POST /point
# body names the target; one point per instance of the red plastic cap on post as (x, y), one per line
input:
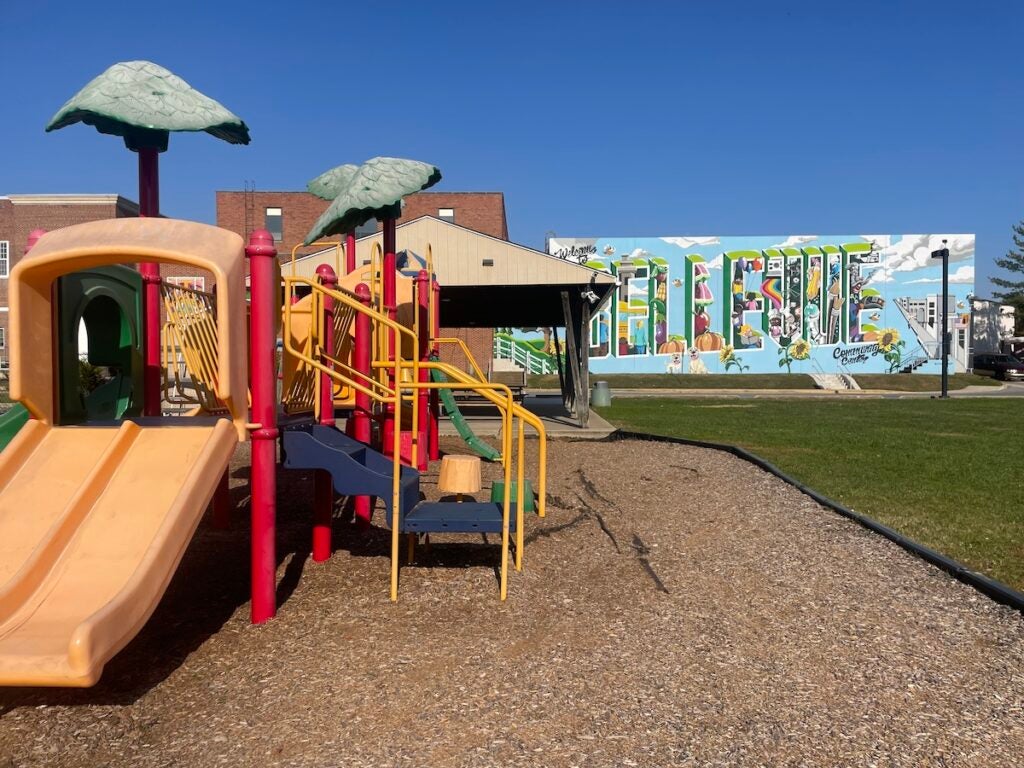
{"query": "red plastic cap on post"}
(261, 243)
(33, 238)
(363, 292)
(326, 274)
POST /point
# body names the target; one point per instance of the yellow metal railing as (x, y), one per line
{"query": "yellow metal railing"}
(389, 394)
(337, 254)
(522, 413)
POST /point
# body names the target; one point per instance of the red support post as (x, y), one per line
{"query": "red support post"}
(33, 238)
(149, 206)
(423, 289)
(263, 308)
(221, 518)
(350, 252)
(390, 298)
(435, 398)
(323, 501)
(361, 421)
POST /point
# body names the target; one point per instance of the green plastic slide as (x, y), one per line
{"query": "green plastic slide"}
(452, 411)
(11, 422)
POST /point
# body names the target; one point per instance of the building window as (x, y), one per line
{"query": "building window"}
(446, 214)
(3, 338)
(5, 249)
(274, 222)
(188, 282)
(367, 228)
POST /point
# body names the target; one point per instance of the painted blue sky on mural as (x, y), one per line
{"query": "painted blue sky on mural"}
(762, 304)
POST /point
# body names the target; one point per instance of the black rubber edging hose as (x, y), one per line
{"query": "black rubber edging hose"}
(989, 587)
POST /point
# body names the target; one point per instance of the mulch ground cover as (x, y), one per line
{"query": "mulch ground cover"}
(677, 607)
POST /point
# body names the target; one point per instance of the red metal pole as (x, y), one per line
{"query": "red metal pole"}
(221, 517)
(33, 238)
(323, 501)
(423, 289)
(149, 206)
(390, 289)
(361, 427)
(350, 252)
(435, 399)
(261, 253)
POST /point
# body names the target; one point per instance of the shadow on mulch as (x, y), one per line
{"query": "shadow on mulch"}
(212, 583)
(209, 586)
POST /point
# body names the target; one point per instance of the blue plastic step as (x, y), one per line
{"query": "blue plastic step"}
(456, 517)
(355, 468)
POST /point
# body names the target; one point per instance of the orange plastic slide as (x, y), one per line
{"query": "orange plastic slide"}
(93, 523)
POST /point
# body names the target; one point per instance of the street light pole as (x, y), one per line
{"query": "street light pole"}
(943, 253)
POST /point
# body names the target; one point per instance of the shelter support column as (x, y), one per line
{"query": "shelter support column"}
(263, 555)
(580, 406)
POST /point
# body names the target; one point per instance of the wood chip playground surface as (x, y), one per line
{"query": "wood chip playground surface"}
(678, 607)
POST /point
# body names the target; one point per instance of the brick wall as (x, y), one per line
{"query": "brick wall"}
(481, 211)
(20, 214)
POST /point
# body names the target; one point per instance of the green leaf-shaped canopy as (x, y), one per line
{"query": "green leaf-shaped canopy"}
(142, 102)
(330, 184)
(374, 192)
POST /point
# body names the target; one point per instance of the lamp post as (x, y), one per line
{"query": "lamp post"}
(943, 253)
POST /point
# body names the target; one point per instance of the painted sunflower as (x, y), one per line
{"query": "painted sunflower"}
(800, 350)
(726, 354)
(887, 337)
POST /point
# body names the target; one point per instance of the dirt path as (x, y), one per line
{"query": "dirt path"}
(678, 607)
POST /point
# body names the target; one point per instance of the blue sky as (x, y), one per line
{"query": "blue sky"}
(613, 119)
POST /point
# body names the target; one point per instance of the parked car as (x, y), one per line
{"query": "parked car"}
(999, 366)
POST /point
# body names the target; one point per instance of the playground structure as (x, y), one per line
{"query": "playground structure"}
(87, 560)
(101, 490)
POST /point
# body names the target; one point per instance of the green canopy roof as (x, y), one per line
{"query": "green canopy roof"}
(330, 183)
(142, 102)
(374, 192)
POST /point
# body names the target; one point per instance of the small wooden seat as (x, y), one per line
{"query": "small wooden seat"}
(459, 475)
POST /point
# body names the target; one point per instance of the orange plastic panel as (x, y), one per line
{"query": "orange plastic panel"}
(93, 523)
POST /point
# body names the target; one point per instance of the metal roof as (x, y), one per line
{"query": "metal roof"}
(485, 281)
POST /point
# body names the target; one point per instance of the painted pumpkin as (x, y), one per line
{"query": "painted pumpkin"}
(672, 347)
(709, 342)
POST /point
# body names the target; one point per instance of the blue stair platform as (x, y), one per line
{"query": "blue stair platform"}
(358, 470)
(456, 517)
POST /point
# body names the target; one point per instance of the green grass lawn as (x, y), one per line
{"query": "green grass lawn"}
(894, 382)
(947, 473)
(921, 382)
(687, 381)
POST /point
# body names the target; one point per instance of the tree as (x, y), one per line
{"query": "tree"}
(1013, 290)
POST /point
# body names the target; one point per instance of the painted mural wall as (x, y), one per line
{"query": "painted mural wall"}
(769, 304)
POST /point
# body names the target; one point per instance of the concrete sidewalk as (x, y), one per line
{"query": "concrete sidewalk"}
(485, 421)
(1008, 389)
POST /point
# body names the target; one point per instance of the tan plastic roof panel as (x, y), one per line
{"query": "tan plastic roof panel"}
(119, 241)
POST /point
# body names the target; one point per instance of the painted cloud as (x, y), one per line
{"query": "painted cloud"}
(964, 274)
(915, 251)
(795, 241)
(691, 242)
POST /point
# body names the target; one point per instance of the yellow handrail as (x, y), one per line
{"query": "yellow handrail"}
(337, 254)
(465, 351)
(393, 395)
(517, 410)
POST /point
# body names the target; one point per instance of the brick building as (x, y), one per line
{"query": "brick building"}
(20, 214)
(290, 215)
